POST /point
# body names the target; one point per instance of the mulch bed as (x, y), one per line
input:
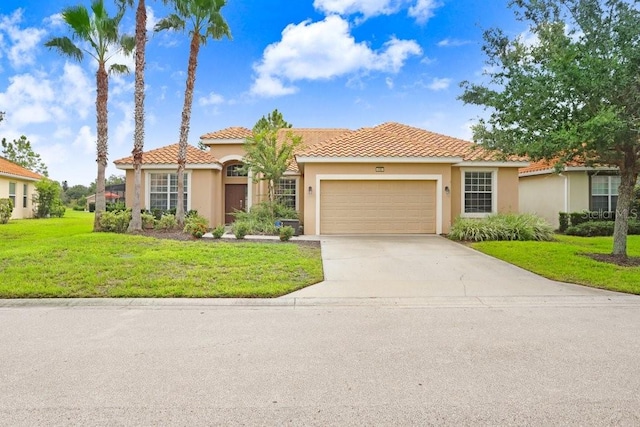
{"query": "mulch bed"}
(616, 259)
(179, 235)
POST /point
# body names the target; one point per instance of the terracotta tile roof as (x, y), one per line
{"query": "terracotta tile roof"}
(228, 133)
(310, 137)
(168, 155)
(10, 168)
(397, 140)
(547, 166)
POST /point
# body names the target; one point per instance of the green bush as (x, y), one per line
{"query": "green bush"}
(196, 225)
(286, 233)
(600, 228)
(47, 201)
(218, 232)
(564, 221)
(6, 208)
(167, 222)
(78, 208)
(148, 220)
(115, 207)
(115, 222)
(262, 217)
(240, 229)
(502, 227)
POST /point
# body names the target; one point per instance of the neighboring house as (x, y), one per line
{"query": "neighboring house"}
(388, 179)
(576, 188)
(18, 184)
(109, 196)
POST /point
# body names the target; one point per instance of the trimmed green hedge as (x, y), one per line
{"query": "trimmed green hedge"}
(600, 228)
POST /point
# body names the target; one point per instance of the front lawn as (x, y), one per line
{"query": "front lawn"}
(62, 257)
(563, 261)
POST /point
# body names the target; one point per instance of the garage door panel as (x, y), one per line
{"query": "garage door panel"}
(377, 207)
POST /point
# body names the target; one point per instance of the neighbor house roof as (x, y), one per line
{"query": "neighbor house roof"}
(542, 167)
(229, 133)
(398, 140)
(10, 169)
(168, 155)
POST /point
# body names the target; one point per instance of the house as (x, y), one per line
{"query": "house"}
(109, 196)
(546, 191)
(18, 184)
(387, 179)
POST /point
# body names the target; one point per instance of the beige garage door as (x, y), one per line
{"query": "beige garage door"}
(377, 207)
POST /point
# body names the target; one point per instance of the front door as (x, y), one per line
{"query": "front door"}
(235, 198)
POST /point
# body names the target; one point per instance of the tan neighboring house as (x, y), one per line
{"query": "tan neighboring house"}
(18, 184)
(575, 188)
(388, 179)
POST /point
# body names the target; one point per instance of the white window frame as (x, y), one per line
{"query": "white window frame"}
(612, 190)
(25, 191)
(494, 192)
(147, 191)
(12, 196)
(296, 190)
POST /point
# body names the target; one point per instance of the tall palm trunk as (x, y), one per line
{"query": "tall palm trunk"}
(138, 133)
(184, 125)
(102, 95)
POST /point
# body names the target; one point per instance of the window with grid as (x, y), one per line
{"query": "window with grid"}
(25, 188)
(163, 191)
(236, 170)
(604, 192)
(285, 191)
(12, 192)
(478, 192)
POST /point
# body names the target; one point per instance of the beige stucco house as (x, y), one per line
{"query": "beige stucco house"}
(388, 179)
(546, 191)
(18, 184)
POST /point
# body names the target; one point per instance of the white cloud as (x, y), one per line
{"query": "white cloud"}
(453, 42)
(151, 19)
(22, 44)
(29, 96)
(423, 10)
(85, 140)
(211, 99)
(439, 84)
(323, 50)
(389, 82)
(78, 90)
(54, 21)
(123, 133)
(366, 8)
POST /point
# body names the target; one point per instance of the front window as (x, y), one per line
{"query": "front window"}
(236, 170)
(163, 191)
(604, 192)
(478, 192)
(25, 187)
(285, 191)
(12, 192)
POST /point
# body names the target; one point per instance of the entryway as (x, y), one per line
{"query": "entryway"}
(235, 199)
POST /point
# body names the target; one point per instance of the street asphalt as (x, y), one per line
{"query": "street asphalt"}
(476, 357)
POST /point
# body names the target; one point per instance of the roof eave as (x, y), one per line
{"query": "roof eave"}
(327, 159)
(22, 177)
(217, 141)
(492, 164)
(189, 166)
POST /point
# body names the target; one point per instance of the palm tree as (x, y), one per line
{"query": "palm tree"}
(138, 133)
(98, 36)
(206, 22)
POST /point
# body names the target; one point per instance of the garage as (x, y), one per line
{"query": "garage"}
(377, 207)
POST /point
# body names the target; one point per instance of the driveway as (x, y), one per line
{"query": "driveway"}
(423, 266)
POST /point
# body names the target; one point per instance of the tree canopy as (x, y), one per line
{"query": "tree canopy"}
(569, 90)
(268, 152)
(21, 153)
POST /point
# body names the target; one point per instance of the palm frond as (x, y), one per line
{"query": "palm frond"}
(128, 44)
(78, 19)
(171, 22)
(119, 69)
(65, 46)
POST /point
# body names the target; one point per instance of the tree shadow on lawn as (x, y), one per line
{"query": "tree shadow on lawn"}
(615, 259)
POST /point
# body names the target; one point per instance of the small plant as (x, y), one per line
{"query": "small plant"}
(196, 225)
(115, 222)
(218, 232)
(286, 233)
(167, 222)
(148, 220)
(6, 208)
(240, 229)
(502, 227)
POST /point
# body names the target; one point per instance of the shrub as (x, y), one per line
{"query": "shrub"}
(148, 220)
(600, 228)
(502, 227)
(196, 225)
(78, 207)
(261, 218)
(167, 222)
(6, 208)
(240, 229)
(115, 207)
(218, 232)
(47, 201)
(115, 222)
(286, 233)
(564, 221)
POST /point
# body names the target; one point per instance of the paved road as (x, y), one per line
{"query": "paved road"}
(472, 361)
(422, 266)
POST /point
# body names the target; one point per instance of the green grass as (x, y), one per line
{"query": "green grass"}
(62, 257)
(562, 261)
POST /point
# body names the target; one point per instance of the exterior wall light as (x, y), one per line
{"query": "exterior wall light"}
(310, 190)
(447, 190)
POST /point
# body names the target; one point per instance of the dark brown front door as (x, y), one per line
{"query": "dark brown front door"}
(235, 196)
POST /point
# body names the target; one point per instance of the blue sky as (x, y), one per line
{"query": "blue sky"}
(322, 63)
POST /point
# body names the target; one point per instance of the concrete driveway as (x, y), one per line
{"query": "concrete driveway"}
(423, 266)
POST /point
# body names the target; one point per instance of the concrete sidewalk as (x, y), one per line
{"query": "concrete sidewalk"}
(423, 266)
